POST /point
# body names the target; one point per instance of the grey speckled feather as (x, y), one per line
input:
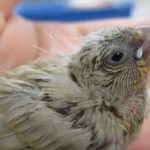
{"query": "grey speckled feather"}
(95, 102)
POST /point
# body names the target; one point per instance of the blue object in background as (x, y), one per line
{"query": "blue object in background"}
(61, 11)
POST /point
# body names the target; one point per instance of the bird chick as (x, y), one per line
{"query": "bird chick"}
(96, 101)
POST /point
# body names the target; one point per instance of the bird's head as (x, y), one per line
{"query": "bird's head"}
(111, 61)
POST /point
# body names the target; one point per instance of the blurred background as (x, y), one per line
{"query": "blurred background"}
(82, 10)
(141, 9)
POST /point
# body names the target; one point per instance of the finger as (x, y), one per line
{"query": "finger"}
(142, 142)
(61, 37)
(6, 6)
(16, 43)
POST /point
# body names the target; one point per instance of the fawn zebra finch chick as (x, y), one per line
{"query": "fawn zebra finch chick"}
(96, 101)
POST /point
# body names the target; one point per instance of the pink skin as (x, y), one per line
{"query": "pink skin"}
(18, 36)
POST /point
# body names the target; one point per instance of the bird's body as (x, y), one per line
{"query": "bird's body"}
(92, 103)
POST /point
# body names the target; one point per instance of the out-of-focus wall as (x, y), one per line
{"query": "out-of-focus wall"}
(141, 9)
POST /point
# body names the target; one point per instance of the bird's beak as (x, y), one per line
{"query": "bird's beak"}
(145, 30)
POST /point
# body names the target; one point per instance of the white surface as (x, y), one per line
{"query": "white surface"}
(141, 9)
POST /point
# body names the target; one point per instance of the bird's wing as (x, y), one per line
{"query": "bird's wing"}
(28, 123)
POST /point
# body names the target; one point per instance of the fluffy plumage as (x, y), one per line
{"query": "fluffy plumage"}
(95, 102)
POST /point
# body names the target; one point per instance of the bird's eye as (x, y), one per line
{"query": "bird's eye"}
(117, 56)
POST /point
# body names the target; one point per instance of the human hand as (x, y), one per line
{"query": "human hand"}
(142, 142)
(17, 37)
